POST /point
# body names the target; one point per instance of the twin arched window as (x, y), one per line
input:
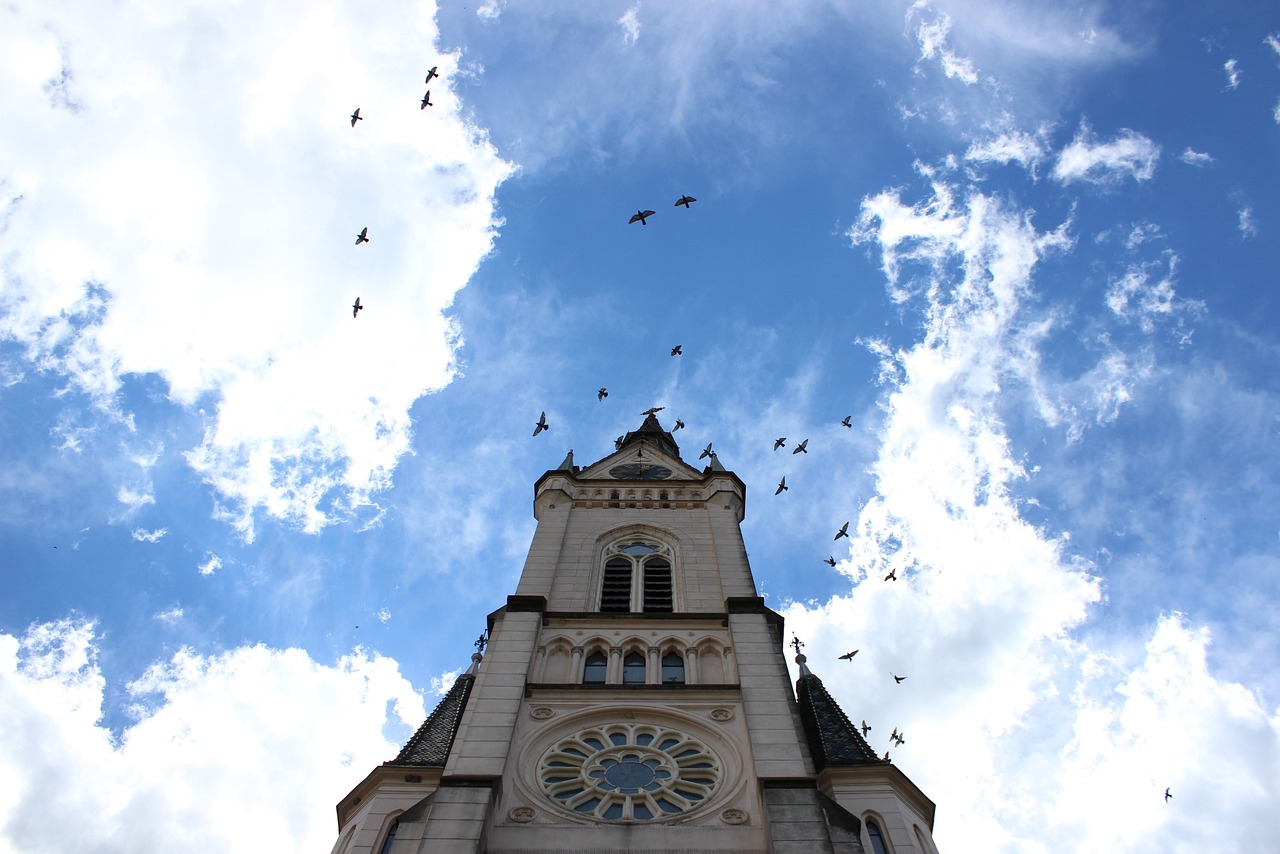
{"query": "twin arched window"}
(637, 577)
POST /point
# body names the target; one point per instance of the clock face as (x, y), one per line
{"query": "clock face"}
(639, 471)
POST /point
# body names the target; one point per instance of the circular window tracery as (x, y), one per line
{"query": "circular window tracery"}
(629, 772)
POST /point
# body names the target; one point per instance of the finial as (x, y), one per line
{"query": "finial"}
(652, 410)
(801, 658)
(482, 642)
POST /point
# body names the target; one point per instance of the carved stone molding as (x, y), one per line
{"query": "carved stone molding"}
(721, 715)
(541, 713)
(523, 815)
(734, 816)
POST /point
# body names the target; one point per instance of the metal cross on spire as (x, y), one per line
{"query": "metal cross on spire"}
(482, 642)
(797, 644)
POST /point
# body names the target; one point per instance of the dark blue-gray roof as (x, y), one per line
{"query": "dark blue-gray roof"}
(431, 744)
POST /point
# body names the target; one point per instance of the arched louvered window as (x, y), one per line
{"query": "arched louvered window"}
(657, 585)
(638, 577)
(633, 669)
(615, 594)
(595, 668)
(672, 668)
(877, 841)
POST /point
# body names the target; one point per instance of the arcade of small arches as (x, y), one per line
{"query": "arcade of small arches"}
(704, 661)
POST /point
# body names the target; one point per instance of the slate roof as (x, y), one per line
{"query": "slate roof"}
(833, 739)
(430, 745)
(652, 432)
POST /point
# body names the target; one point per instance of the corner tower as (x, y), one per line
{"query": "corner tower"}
(635, 697)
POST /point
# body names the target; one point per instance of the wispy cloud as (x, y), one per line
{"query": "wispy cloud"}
(145, 536)
(1013, 147)
(213, 185)
(1085, 159)
(932, 32)
(211, 564)
(1273, 42)
(1191, 157)
(1245, 223)
(1232, 70)
(383, 615)
(170, 615)
(1145, 294)
(134, 499)
(630, 24)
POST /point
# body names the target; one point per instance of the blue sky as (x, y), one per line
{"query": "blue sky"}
(1027, 247)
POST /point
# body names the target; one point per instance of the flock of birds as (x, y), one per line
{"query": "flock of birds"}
(363, 236)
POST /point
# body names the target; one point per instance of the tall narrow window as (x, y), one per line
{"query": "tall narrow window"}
(595, 668)
(657, 585)
(633, 669)
(391, 837)
(672, 668)
(877, 841)
(616, 592)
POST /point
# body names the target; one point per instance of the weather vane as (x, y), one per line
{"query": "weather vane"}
(482, 642)
(797, 644)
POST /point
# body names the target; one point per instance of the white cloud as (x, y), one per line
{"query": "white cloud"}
(217, 735)
(441, 684)
(134, 499)
(170, 616)
(630, 24)
(383, 615)
(1130, 154)
(933, 34)
(1195, 158)
(1145, 294)
(1014, 147)
(1275, 112)
(1244, 221)
(490, 9)
(211, 564)
(194, 216)
(1272, 42)
(1232, 69)
(144, 536)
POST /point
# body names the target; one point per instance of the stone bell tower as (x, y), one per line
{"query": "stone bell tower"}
(634, 697)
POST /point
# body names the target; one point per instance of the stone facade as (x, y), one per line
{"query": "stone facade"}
(634, 697)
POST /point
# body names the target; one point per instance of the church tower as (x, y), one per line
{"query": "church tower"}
(634, 697)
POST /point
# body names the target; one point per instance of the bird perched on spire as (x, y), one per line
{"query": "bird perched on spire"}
(802, 448)
(356, 117)
(782, 486)
(706, 452)
(641, 216)
(843, 532)
(355, 308)
(617, 443)
(426, 101)
(363, 236)
(686, 201)
(602, 393)
(541, 425)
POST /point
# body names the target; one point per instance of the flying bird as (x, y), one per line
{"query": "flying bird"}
(848, 656)
(426, 101)
(706, 452)
(843, 532)
(897, 679)
(802, 448)
(847, 421)
(830, 560)
(355, 308)
(893, 575)
(782, 486)
(602, 393)
(355, 117)
(686, 201)
(893, 736)
(679, 424)
(899, 739)
(363, 236)
(652, 410)
(1167, 796)
(541, 425)
(865, 728)
(677, 350)
(641, 217)
(431, 74)
(779, 442)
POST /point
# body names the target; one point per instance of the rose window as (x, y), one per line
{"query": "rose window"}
(629, 772)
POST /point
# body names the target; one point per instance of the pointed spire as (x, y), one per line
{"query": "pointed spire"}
(651, 431)
(567, 463)
(833, 739)
(431, 744)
